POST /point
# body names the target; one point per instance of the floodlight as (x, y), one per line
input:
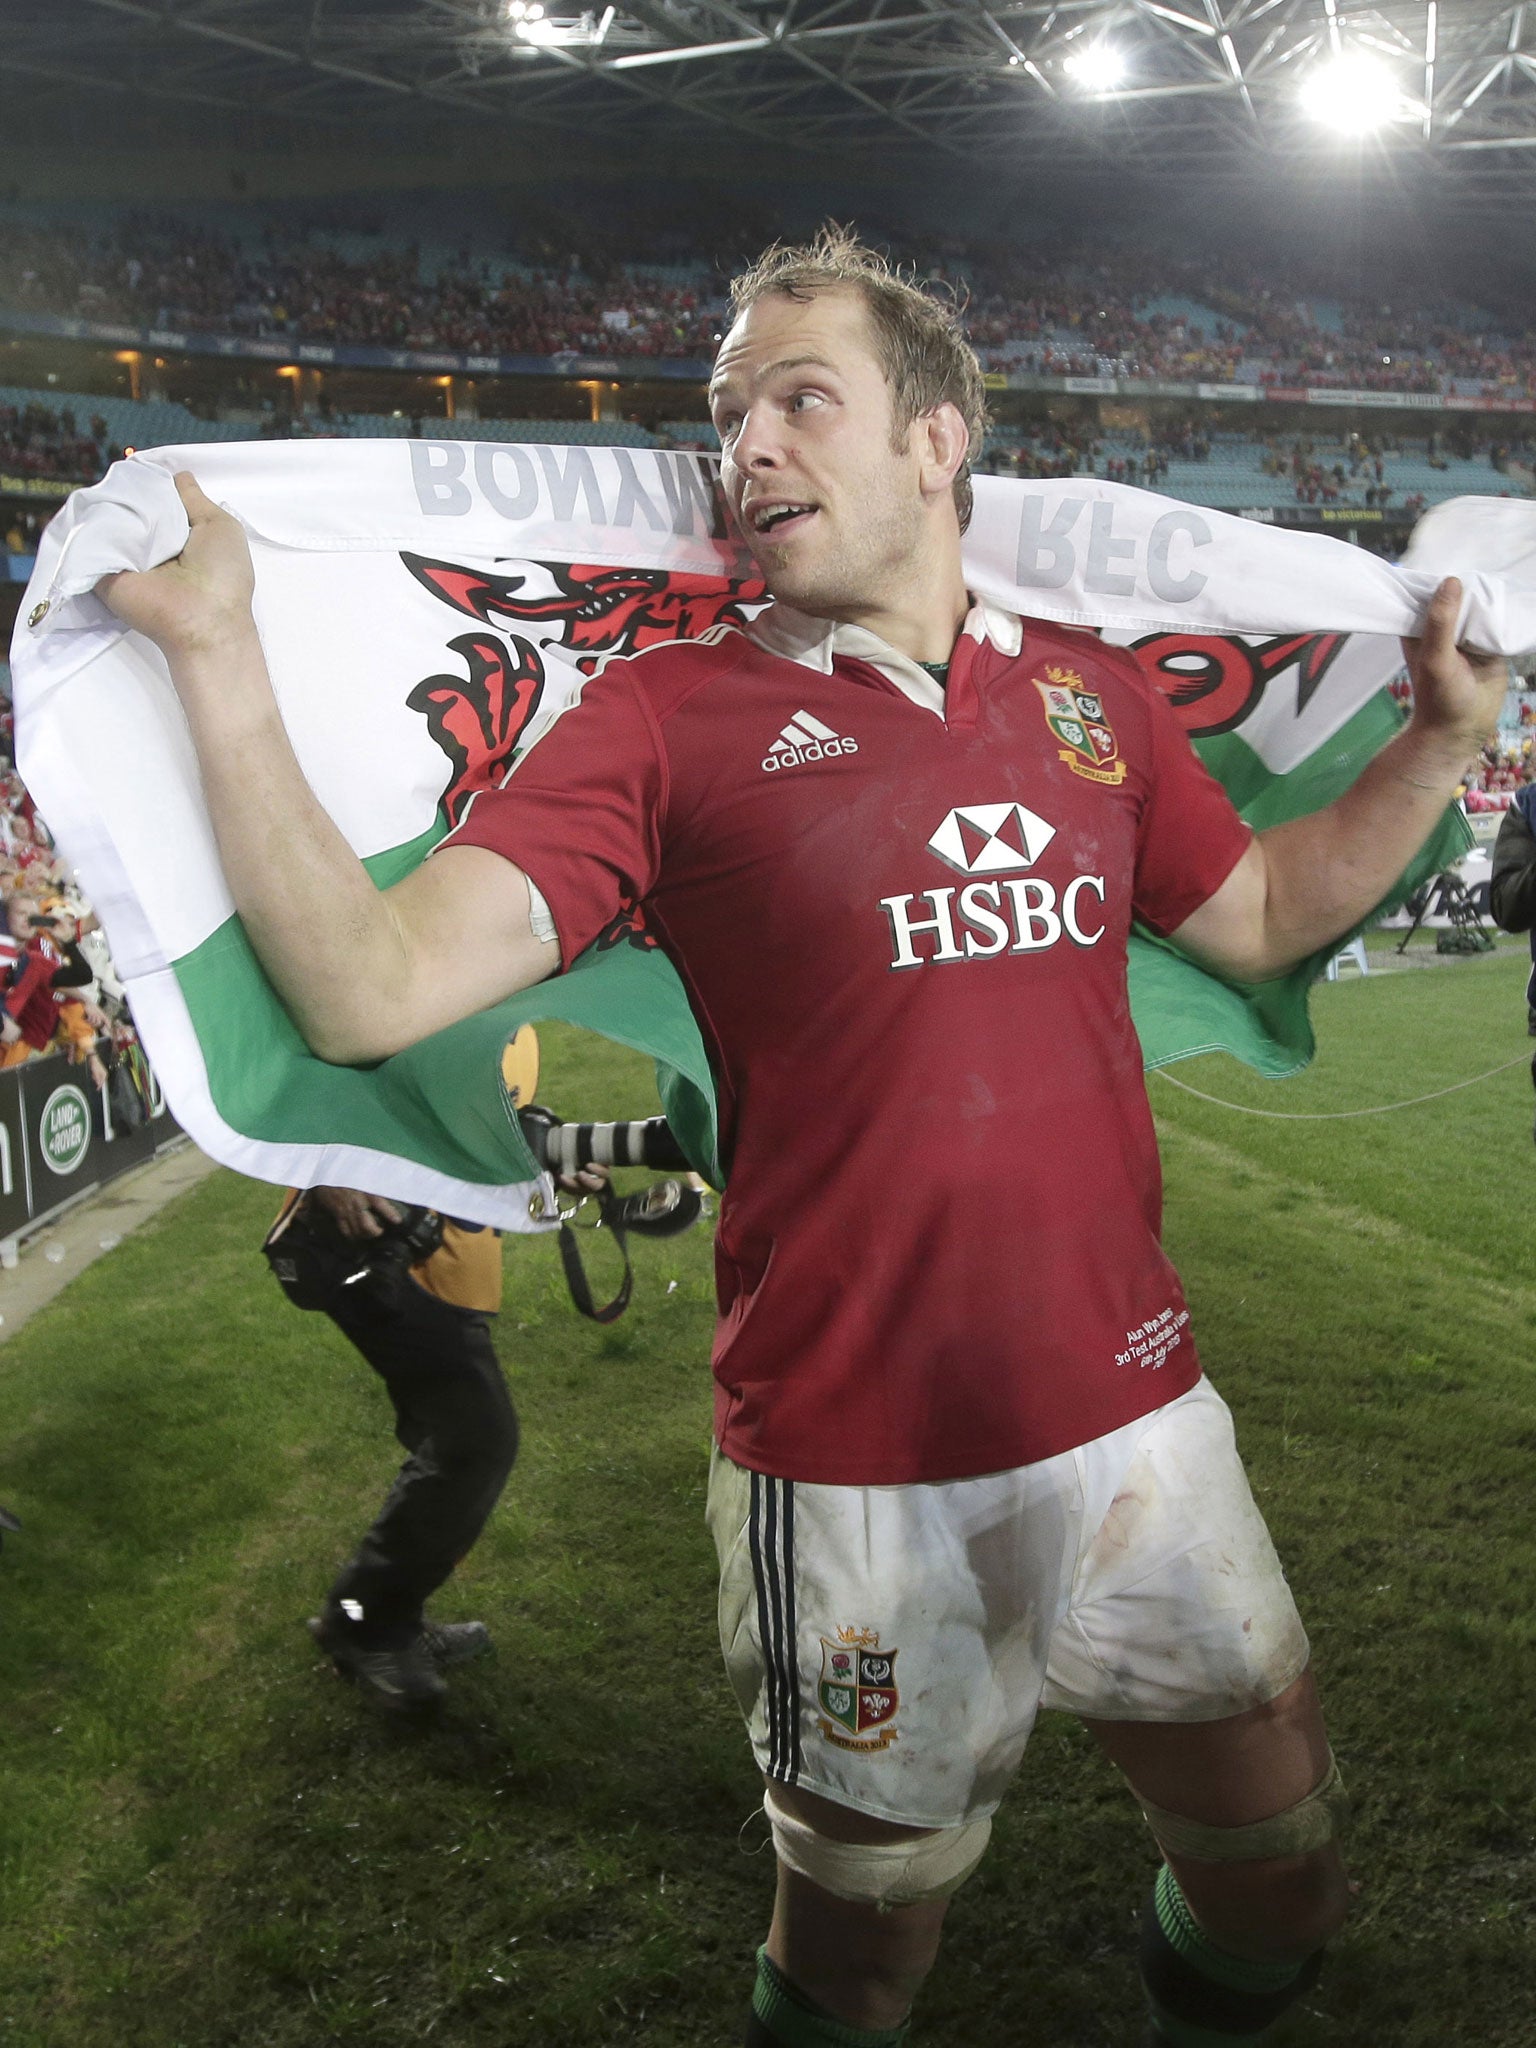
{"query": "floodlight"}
(1352, 94)
(1097, 67)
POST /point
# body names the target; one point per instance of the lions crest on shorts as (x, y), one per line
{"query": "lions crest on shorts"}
(1076, 714)
(857, 1692)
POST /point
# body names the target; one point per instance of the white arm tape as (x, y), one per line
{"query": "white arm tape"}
(540, 917)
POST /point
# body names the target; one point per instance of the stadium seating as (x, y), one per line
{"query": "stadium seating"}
(158, 423)
(145, 423)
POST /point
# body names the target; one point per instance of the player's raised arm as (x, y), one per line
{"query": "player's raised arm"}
(363, 972)
(1302, 884)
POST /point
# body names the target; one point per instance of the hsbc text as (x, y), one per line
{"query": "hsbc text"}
(1019, 915)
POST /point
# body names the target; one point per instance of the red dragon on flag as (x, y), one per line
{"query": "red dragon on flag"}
(479, 718)
(1213, 684)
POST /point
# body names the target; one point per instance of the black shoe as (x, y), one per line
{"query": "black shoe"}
(455, 1642)
(401, 1681)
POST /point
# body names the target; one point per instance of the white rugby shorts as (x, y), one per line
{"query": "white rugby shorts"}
(890, 1646)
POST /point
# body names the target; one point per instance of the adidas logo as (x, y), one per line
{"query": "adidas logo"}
(806, 739)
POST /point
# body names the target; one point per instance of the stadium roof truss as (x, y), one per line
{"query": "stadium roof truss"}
(1200, 81)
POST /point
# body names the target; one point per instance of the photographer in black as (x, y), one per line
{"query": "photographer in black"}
(414, 1292)
(1512, 887)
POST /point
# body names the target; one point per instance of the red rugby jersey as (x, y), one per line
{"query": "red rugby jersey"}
(904, 939)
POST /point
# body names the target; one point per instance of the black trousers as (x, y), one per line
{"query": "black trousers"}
(455, 1418)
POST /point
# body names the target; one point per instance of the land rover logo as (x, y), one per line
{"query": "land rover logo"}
(64, 1129)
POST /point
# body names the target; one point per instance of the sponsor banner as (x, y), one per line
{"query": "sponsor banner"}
(15, 1195)
(995, 380)
(1414, 401)
(1315, 516)
(1493, 404)
(60, 1136)
(358, 355)
(1246, 394)
(1105, 384)
(55, 489)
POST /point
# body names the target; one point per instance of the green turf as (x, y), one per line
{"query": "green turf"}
(205, 1841)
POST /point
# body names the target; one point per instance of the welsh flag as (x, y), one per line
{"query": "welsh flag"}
(425, 605)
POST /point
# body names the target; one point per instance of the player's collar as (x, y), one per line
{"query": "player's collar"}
(814, 642)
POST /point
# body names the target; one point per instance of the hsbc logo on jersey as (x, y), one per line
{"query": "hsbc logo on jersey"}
(987, 839)
(1017, 913)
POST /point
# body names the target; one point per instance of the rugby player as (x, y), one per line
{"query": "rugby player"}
(966, 1462)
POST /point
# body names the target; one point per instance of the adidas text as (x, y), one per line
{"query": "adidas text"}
(813, 750)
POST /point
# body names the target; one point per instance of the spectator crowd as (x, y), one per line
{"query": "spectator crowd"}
(58, 989)
(38, 441)
(1141, 312)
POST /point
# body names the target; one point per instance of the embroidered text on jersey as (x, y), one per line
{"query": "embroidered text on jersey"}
(805, 738)
(1017, 914)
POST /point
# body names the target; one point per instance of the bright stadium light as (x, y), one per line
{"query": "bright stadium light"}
(1353, 94)
(1097, 67)
(536, 29)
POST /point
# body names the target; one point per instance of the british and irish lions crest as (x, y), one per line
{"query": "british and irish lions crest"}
(1075, 713)
(857, 1691)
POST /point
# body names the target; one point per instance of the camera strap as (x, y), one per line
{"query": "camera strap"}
(661, 1210)
(576, 1273)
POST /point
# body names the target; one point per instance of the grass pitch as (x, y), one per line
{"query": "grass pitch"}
(206, 1841)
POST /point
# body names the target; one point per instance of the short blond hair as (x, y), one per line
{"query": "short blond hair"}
(926, 358)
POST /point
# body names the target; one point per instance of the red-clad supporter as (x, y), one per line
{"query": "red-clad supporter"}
(57, 985)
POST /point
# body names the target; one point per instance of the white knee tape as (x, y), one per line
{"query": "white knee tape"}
(930, 1866)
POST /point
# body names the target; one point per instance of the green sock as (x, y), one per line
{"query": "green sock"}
(798, 2022)
(1184, 1932)
(1181, 2034)
(1203, 1996)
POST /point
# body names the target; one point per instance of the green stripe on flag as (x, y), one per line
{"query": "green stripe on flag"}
(1266, 797)
(1179, 1009)
(440, 1103)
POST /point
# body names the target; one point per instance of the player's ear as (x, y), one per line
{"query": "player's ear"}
(945, 442)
